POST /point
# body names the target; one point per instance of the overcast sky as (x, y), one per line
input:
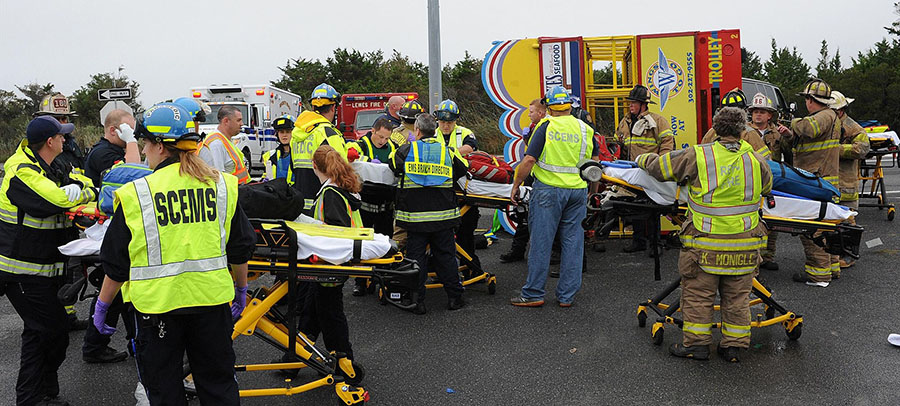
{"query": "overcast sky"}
(170, 46)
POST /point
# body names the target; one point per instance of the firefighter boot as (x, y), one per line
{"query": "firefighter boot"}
(729, 354)
(697, 352)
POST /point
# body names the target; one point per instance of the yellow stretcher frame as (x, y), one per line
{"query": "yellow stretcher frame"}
(875, 174)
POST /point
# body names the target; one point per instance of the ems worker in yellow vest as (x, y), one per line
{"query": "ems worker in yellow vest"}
(427, 208)
(463, 141)
(278, 160)
(168, 248)
(406, 132)
(817, 149)
(312, 129)
(722, 236)
(558, 199)
(33, 198)
(854, 147)
(642, 131)
(223, 155)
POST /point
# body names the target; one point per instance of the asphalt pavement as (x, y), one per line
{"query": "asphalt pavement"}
(491, 353)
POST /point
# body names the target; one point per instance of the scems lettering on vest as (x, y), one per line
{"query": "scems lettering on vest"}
(563, 137)
(185, 206)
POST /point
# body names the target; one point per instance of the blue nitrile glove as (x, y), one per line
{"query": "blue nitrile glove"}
(239, 302)
(376, 161)
(100, 310)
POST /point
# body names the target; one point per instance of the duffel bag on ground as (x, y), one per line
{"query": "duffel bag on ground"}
(486, 167)
(274, 199)
(786, 178)
(114, 178)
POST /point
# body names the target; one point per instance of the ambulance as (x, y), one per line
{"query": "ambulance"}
(259, 106)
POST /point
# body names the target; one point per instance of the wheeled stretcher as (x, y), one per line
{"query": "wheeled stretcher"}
(824, 228)
(282, 250)
(884, 150)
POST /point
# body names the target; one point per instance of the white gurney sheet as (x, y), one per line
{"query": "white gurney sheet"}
(340, 250)
(381, 174)
(892, 135)
(89, 245)
(786, 207)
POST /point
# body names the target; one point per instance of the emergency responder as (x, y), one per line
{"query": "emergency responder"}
(854, 147)
(118, 143)
(463, 141)
(312, 129)
(763, 116)
(426, 207)
(722, 237)
(559, 198)
(278, 160)
(180, 292)
(225, 156)
(392, 111)
(33, 198)
(641, 131)
(817, 149)
(537, 111)
(735, 98)
(406, 131)
(70, 160)
(377, 209)
(72, 157)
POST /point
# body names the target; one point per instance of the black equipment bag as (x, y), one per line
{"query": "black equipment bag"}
(274, 199)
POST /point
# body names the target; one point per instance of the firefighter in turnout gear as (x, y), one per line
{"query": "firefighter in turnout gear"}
(406, 132)
(735, 98)
(854, 147)
(817, 149)
(312, 129)
(427, 209)
(642, 131)
(278, 160)
(723, 234)
(763, 116)
(168, 248)
(33, 199)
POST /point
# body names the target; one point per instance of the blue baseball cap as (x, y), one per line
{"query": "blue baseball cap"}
(43, 127)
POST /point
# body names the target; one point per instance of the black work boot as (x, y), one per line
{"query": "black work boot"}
(359, 287)
(697, 352)
(419, 309)
(512, 256)
(456, 303)
(105, 356)
(729, 354)
(769, 265)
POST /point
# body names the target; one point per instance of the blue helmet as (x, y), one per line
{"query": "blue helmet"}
(447, 111)
(167, 122)
(558, 95)
(285, 122)
(324, 95)
(196, 108)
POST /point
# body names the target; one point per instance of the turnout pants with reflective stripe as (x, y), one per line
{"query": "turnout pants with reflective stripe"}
(205, 336)
(768, 254)
(698, 293)
(819, 263)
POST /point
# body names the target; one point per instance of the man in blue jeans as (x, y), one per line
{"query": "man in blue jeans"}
(558, 199)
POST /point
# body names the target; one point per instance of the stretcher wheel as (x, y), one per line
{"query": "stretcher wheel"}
(880, 201)
(891, 214)
(657, 334)
(382, 297)
(492, 286)
(360, 374)
(795, 333)
(642, 318)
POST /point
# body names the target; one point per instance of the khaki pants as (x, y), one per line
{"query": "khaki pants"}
(698, 293)
(768, 254)
(819, 264)
(399, 236)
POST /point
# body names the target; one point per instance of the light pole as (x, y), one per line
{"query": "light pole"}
(434, 54)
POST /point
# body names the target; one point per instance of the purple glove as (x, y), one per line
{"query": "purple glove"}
(99, 317)
(376, 161)
(239, 302)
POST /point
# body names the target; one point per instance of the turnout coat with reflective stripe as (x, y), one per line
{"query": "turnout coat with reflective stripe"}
(32, 223)
(179, 227)
(426, 200)
(649, 133)
(311, 130)
(854, 146)
(750, 134)
(817, 144)
(725, 246)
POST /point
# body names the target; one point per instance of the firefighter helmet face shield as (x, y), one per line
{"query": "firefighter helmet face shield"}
(324, 95)
(447, 111)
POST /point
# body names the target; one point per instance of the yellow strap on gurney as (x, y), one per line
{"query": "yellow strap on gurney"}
(618, 181)
(323, 230)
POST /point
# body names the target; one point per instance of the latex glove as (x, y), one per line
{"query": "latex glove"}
(376, 161)
(126, 133)
(99, 317)
(239, 302)
(352, 155)
(73, 192)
